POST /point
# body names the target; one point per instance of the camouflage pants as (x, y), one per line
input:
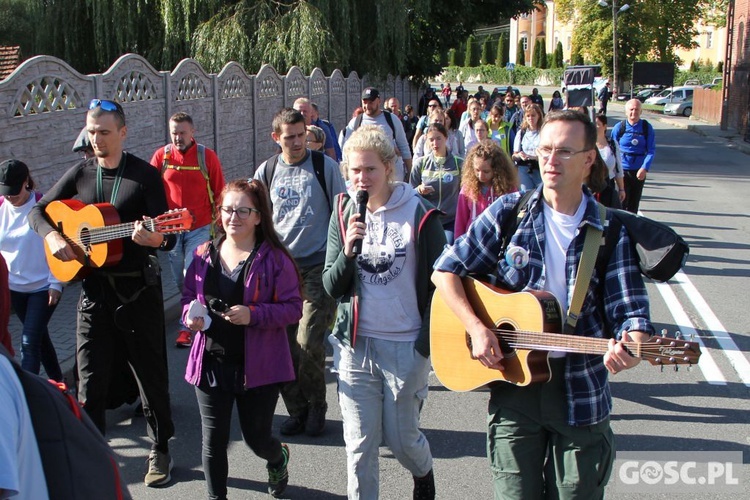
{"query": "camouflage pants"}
(307, 344)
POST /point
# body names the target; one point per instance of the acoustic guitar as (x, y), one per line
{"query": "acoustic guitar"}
(95, 233)
(527, 325)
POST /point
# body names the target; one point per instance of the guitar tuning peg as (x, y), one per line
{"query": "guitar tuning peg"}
(692, 336)
(661, 367)
(663, 332)
(689, 366)
(677, 335)
(676, 368)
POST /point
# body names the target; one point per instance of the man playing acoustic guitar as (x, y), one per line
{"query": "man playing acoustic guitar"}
(121, 309)
(553, 439)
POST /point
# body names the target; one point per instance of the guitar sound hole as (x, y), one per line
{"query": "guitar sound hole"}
(507, 349)
(504, 347)
(85, 239)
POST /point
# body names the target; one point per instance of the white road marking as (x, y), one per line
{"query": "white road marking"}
(708, 366)
(736, 358)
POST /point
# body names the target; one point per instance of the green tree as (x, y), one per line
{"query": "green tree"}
(401, 37)
(501, 58)
(487, 55)
(559, 60)
(540, 54)
(452, 61)
(520, 56)
(470, 57)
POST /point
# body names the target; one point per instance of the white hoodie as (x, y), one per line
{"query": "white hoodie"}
(387, 269)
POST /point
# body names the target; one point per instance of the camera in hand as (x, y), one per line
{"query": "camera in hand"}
(218, 306)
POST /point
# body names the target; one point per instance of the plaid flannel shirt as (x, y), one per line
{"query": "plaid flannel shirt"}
(623, 294)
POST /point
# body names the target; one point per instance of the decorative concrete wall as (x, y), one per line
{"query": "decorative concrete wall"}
(43, 106)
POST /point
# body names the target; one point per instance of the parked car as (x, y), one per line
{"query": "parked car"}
(675, 94)
(644, 94)
(684, 108)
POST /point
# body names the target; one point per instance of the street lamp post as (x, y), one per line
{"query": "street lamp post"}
(615, 13)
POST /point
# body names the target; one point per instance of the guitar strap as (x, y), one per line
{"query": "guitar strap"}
(585, 272)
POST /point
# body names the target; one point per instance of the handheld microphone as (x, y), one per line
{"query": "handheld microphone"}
(362, 197)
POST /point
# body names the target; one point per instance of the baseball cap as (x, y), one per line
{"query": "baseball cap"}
(370, 94)
(13, 173)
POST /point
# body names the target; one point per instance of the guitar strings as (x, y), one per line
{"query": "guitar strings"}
(531, 340)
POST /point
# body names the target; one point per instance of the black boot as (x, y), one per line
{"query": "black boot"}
(424, 487)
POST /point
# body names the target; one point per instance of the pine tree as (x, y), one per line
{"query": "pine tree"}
(541, 52)
(452, 57)
(471, 52)
(499, 57)
(487, 51)
(559, 60)
(520, 57)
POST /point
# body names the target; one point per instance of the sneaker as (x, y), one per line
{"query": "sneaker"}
(184, 339)
(424, 487)
(278, 477)
(294, 425)
(159, 468)
(316, 420)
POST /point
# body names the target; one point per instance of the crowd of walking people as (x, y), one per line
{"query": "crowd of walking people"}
(338, 238)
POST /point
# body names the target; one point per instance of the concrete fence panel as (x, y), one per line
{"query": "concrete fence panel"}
(43, 106)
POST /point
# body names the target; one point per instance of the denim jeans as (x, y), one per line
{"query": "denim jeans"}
(37, 350)
(181, 255)
(382, 385)
(528, 180)
(255, 409)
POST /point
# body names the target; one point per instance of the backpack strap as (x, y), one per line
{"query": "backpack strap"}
(513, 220)
(318, 160)
(389, 119)
(319, 164)
(201, 166)
(644, 129)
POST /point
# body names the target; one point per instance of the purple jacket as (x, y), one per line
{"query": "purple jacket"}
(272, 292)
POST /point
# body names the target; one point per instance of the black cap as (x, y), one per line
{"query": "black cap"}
(13, 174)
(370, 94)
(82, 142)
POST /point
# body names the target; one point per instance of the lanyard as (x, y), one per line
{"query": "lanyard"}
(115, 187)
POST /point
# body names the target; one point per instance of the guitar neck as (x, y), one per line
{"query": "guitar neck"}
(116, 231)
(558, 342)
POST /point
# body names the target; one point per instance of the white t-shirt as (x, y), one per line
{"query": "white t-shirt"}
(21, 472)
(559, 231)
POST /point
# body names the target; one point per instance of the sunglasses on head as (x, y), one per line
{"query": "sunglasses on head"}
(105, 104)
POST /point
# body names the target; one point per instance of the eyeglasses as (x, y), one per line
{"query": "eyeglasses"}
(432, 105)
(242, 212)
(562, 154)
(105, 104)
(311, 141)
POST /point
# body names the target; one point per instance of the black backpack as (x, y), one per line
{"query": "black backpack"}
(319, 163)
(78, 463)
(621, 130)
(388, 118)
(661, 251)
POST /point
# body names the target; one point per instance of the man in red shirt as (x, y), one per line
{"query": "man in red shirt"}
(192, 179)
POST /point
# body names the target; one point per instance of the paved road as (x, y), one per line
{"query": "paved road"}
(699, 187)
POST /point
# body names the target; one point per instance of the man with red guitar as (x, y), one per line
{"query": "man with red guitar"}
(121, 309)
(552, 439)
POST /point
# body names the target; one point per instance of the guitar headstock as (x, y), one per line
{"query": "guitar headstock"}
(663, 350)
(178, 220)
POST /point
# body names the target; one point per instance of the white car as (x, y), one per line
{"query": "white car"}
(673, 94)
(684, 108)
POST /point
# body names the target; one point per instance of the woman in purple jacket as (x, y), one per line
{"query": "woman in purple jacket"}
(240, 293)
